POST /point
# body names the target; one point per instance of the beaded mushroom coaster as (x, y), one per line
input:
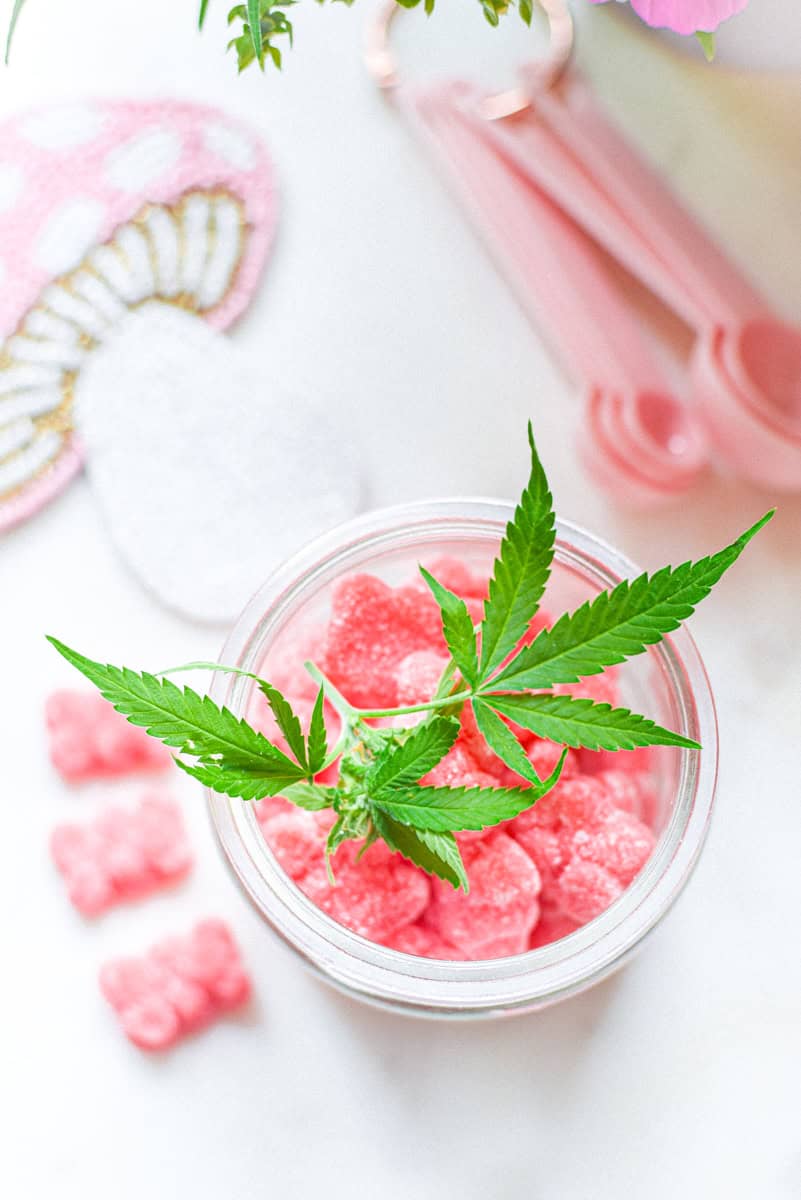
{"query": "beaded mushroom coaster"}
(132, 234)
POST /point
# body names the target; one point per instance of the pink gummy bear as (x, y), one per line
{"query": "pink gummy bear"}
(498, 914)
(122, 855)
(178, 987)
(373, 627)
(88, 739)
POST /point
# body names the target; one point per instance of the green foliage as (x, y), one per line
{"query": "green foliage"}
(378, 792)
(619, 624)
(457, 628)
(582, 722)
(521, 570)
(707, 42)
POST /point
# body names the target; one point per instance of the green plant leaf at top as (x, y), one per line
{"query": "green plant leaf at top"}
(436, 853)
(181, 718)
(457, 628)
(619, 624)
(201, 16)
(578, 721)
(521, 570)
(254, 25)
(399, 766)
(12, 25)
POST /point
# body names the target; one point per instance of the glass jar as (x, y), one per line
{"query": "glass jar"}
(668, 683)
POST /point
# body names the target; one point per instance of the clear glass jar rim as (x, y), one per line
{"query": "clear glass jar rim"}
(392, 979)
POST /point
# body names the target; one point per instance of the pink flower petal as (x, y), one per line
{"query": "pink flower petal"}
(687, 16)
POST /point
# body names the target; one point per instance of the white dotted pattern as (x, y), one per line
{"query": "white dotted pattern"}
(134, 165)
(68, 234)
(11, 184)
(232, 145)
(63, 128)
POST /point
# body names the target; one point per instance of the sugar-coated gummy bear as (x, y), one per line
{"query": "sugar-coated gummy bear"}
(497, 915)
(178, 987)
(622, 845)
(373, 628)
(585, 890)
(552, 925)
(417, 675)
(122, 855)
(374, 895)
(88, 739)
(421, 941)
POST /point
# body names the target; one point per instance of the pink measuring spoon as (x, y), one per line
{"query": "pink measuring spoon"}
(638, 438)
(747, 364)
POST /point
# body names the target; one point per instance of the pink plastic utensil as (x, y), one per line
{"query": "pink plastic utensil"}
(552, 140)
(746, 368)
(639, 439)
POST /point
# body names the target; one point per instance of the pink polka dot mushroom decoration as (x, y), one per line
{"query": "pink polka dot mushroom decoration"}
(132, 233)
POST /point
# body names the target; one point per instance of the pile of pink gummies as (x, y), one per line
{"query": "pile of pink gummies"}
(532, 880)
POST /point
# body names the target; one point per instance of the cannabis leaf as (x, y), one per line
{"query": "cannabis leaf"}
(287, 722)
(190, 723)
(436, 853)
(577, 721)
(521, 569)
(445, 809)
(397, 766)
(500, 738)
(619, 624)
(378, 792)
(457, 628)
(317, 742)
(250, 781)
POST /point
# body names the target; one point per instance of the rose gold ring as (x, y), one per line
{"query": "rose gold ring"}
(539, 75)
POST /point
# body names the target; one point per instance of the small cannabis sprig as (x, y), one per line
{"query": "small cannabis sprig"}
(492, 668)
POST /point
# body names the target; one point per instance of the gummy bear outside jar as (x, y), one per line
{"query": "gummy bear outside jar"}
(668, 683)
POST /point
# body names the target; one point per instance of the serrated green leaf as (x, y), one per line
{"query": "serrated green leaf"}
(436, 853)
(243, 783)
(201, 17)
(310, 796)
(457, 628)
(444, 809)
(12, 25)
(521, 570)
(619, 624)
(400, 766)
(318, 741)
(502, 741)
(181, 718)
(707, 41)
(572, 721)
(287, 721)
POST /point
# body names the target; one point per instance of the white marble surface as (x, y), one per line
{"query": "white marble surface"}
(680, 1077)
